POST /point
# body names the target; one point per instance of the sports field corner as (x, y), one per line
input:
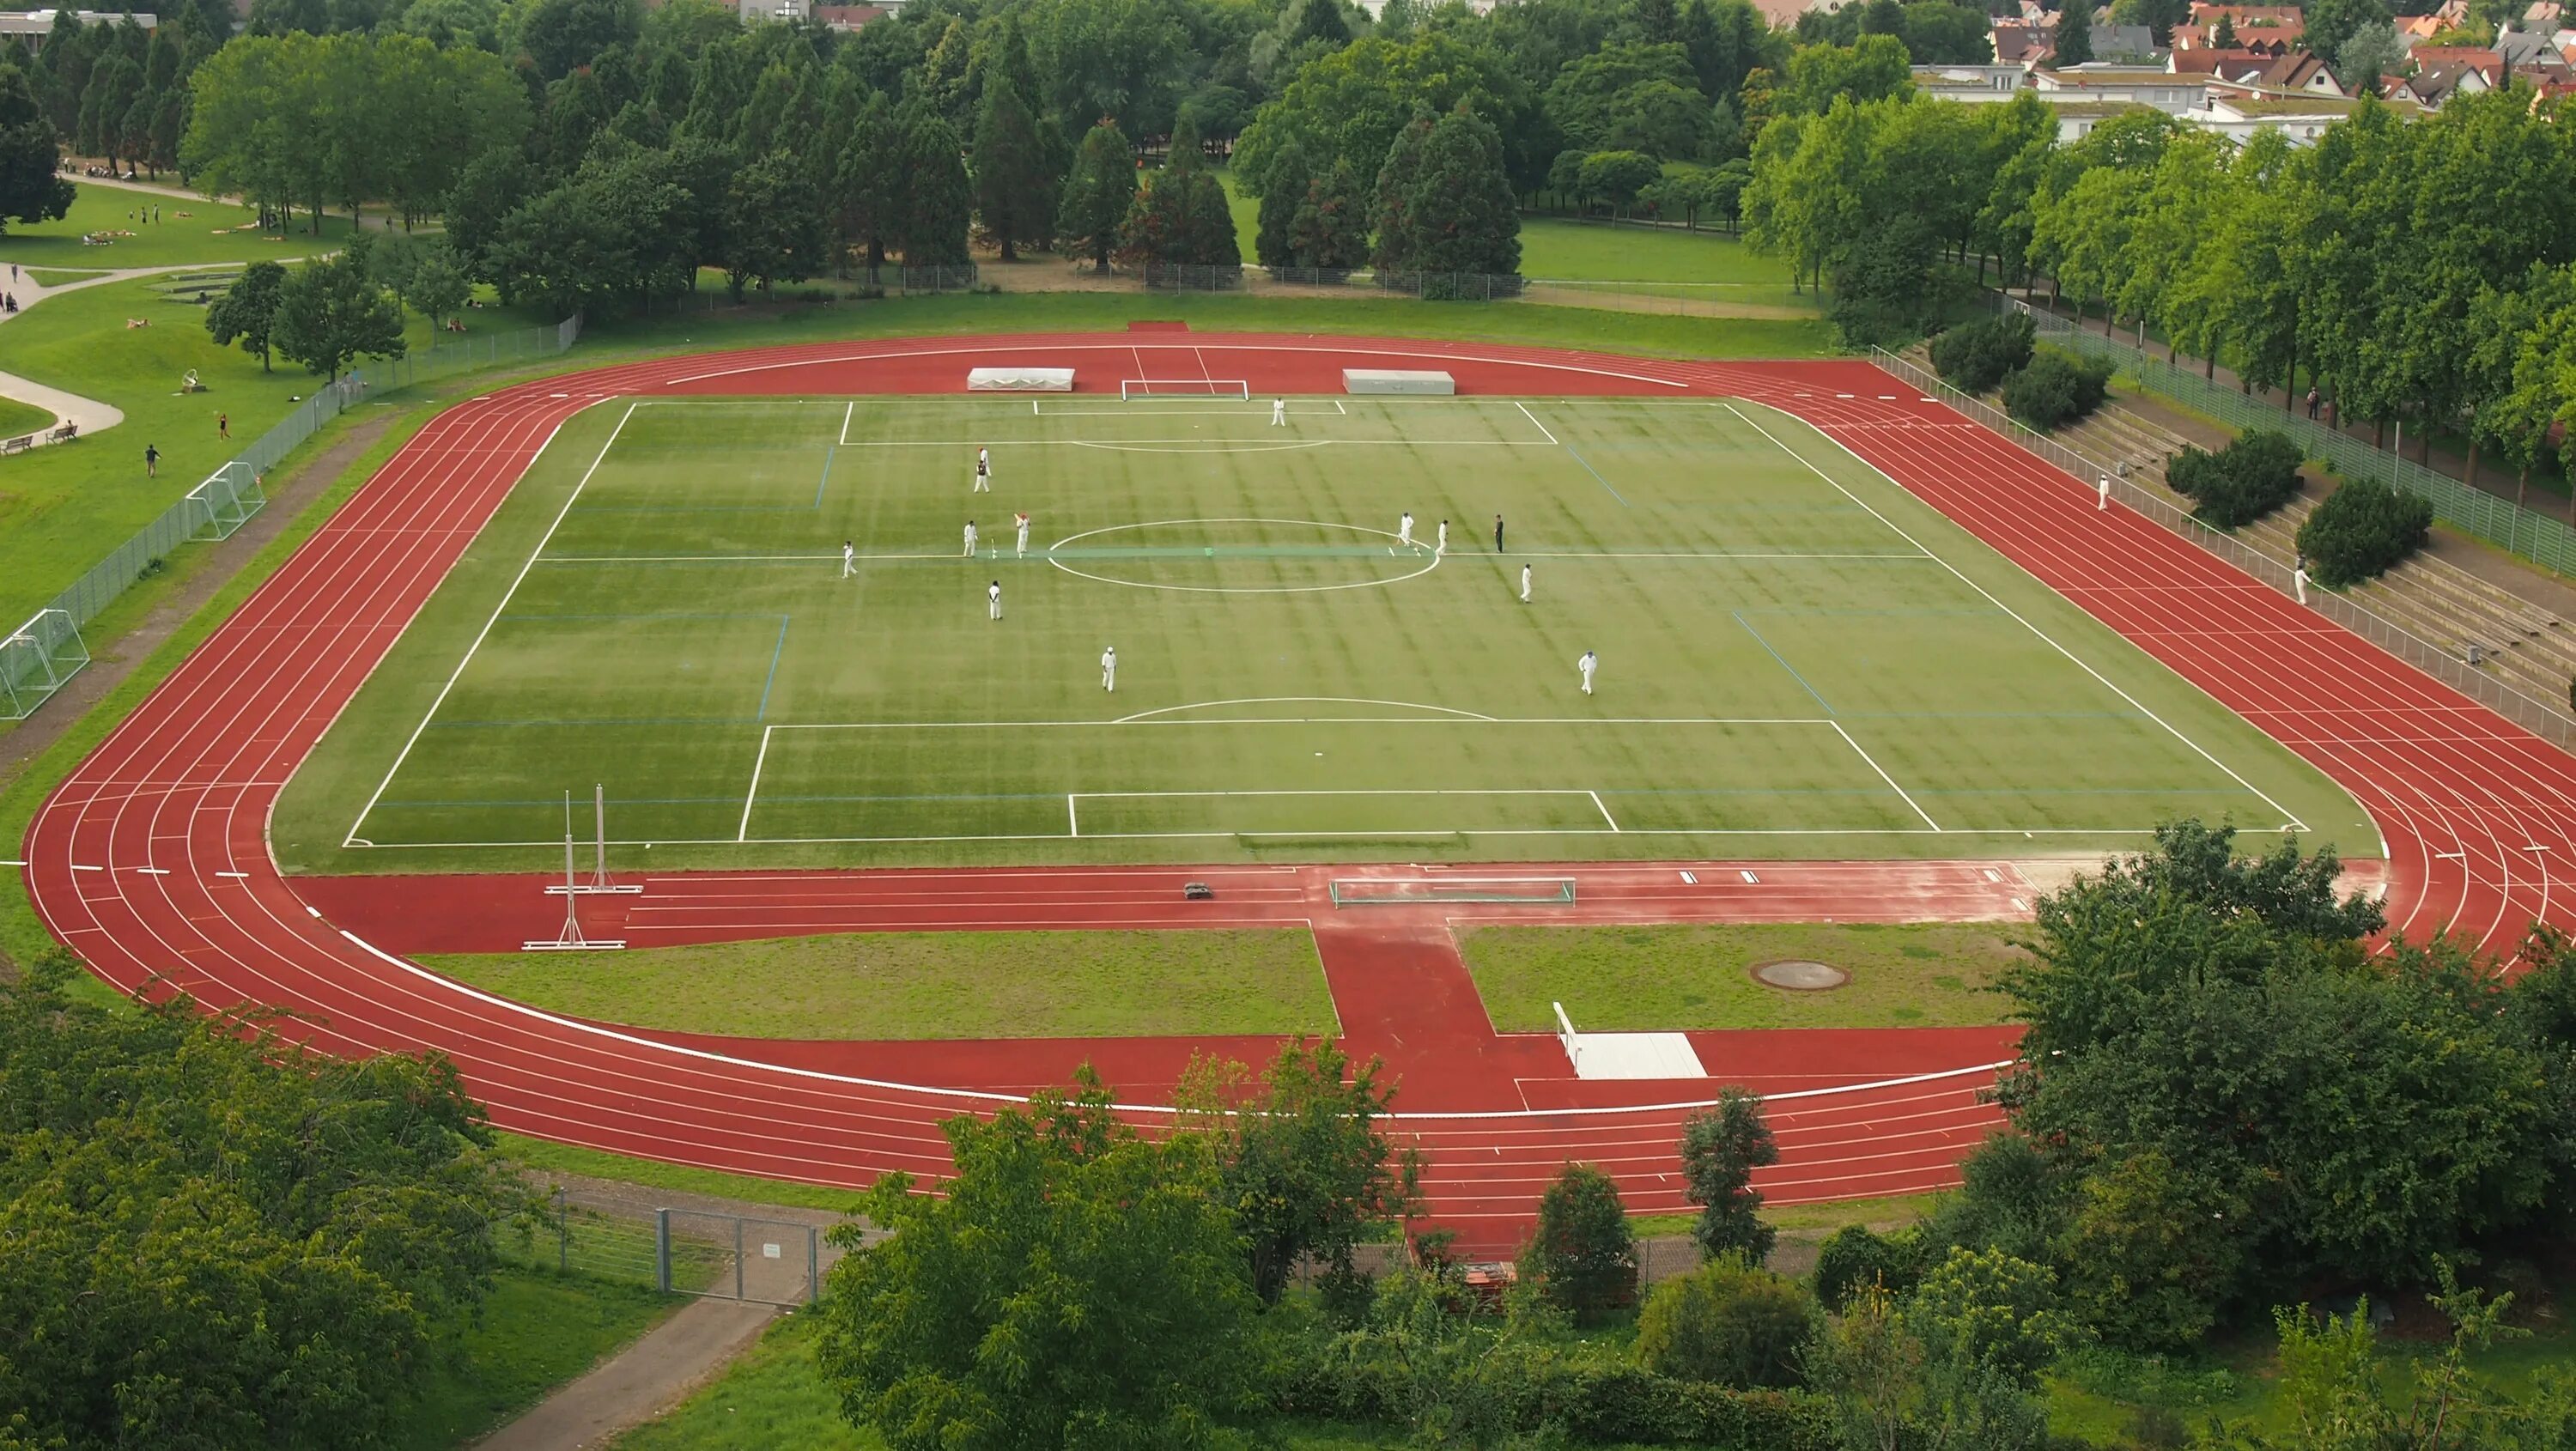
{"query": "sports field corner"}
(1858, 659)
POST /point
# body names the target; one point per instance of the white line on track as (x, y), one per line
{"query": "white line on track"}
(454, 675)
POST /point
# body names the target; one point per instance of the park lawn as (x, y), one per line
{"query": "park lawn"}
(895, 985)
(1556, 247)
(63, 509)
(538, 1330)
(56, 277)
(1677, 977)
(17, 418)
(211, 233)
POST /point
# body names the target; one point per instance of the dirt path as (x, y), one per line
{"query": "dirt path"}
(671, 1360)
(112, 660)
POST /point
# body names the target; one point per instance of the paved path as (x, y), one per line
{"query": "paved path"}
(672, 1359)
(89, 413)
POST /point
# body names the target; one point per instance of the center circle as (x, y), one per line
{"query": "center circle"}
(1245, 556)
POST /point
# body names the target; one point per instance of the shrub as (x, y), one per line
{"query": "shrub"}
(2362, 529)
(1728, 1323)
(1585, 1256)
(2054, 390)
(2240, 483)
(1975, 358)
(1853, 1259)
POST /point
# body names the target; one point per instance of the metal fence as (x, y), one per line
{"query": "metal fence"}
(2539, 717)
(223, 500)
(2540, 538)
(774, 1261)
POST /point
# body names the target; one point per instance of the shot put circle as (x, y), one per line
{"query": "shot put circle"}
(1799, 975)
(1205, 550)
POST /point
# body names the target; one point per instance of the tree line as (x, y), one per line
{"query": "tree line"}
(2411, 272)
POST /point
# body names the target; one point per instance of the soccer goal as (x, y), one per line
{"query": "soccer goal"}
(1420, 891)
(36, 659)
(226, 500)
(1131, 389)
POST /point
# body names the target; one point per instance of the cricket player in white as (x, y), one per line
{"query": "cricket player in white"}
(1278, 412)
(1525, 584)
(1404, 529)
(2299, 581)
(983, 472)
(970, 539)
(1109, 669)
(1443, 548)
(1587, 665)
(1023, 521)
(2103, 499)
(849, 559)
(993, 599)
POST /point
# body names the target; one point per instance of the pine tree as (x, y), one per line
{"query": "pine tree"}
(1395, 191)
(2074, 33)
(1283, 195)
(2224, 37)
(863, 184)
(1321, 20)
(1213, 238)
(1331, 229)
(1461, 211)
(1658, 22)
(1014, 193)
(1189, 149)
(1097, 193)
(934, 200)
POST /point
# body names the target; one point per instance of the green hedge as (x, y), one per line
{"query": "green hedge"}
(2361, 530)
(2240, 483)
(1973, 359)
(2056, 390)
(1518, 1389)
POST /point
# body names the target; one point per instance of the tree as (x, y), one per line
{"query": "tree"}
(1120, 59)
(248, 310)
(1283, 194)
(438, 289)
(863, 185)
(1584, 1256)
(2224, 36)
(212, 1237)
(1872, 68)
(1721, 1147)
(1617, 177)
(2074, 37)
(1071, 1282)
(1014, 191)
(2331, 22)
(561, 35)
(2150, 1253)
(1351, 105)
(933, 198)
(1306, 1166)
(1730, 1323)
(2370, 52)
(331, 313)
(1453, 210)
(1987, 1324)
(772, 229)
(1098, 194)
(29, 156)
(1330, 230)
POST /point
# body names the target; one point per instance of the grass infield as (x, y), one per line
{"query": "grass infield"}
(1677, 977)
(935, 985)
(1798, 658)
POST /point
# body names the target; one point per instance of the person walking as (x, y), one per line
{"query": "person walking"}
(1498, 533)
(1589, 663)
(151, 461)
(993, 597)
(2299, 579)
(223, 425)
(2314, 398)
(1109, 669)
(1525, 583)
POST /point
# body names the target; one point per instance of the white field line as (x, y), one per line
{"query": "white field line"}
(752, 795)
(1954, 833)
(1534, 423)
(2287, 815)
(454, 675)
(1142, 720)
(1604, 810)
(1867, 760)
(847, 414)
(1072, 816)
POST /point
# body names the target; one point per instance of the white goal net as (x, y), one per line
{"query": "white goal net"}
(1130, 389)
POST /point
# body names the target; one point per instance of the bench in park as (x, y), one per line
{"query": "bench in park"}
(20, 444)
(64, 434)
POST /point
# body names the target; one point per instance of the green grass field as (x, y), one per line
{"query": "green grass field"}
(1799, 659)
(538, 1330)
(208, 232)
(1614, 978)
(937, 985)
(17, 418)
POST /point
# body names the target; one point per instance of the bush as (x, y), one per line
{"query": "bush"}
(1973, 359)
(2361, 530)
(2240, 483)
(2054, 390)
(1853, 1259)
(1585, 1256)
(1727, 1323)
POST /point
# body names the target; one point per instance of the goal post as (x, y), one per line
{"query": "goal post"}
(1237, 389)
(1419, 891)
(36, 659)
(225, 501)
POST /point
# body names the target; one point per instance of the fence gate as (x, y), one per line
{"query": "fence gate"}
(732, 1257)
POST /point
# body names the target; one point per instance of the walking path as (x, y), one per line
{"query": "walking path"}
(671, 1360)
(91, 414)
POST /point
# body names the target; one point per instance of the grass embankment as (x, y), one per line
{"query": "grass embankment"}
(191, 230)
(538, 1330)
(17, 418)
(936, 985)
(1913, 976)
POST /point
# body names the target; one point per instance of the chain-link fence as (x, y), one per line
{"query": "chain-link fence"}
(2542, 718)
(225, 498)
(2540, 538)
(770, 1260)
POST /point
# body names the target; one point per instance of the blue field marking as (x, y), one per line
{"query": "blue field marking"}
(1784, 661)
(778, 650)
(1596, 473)
(828, 450)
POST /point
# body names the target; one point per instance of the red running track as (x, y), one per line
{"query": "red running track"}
(151, 859)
